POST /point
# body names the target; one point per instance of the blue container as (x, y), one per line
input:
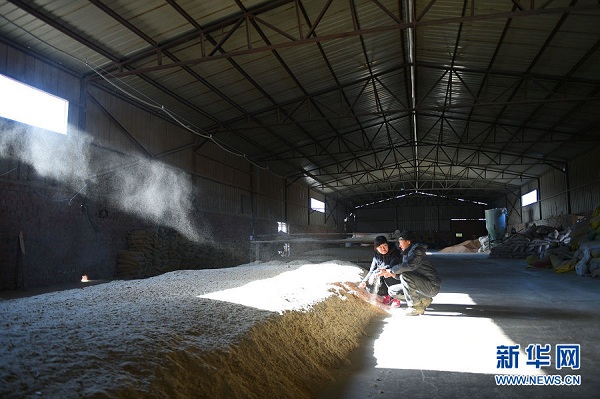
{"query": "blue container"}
(495, 223)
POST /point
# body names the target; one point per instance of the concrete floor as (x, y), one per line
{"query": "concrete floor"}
(452, 350)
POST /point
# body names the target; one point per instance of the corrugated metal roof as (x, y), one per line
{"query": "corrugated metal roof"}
(323, 91)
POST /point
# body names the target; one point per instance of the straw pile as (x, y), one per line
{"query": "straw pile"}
(290, 356)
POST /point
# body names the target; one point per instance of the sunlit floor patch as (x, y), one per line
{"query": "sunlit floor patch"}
(445, 341)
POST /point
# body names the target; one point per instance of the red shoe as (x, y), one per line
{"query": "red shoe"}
(395, 303)
(387, 300)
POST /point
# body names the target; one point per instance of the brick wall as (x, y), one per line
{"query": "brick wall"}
(62, 239)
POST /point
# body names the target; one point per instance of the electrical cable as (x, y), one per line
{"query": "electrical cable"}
(196, 130)
(13, 169)
(69, 199)
(141, 98)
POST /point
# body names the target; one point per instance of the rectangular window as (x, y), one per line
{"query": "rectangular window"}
(317, 205)
(26, 104)
(282, 227)
(529, 198)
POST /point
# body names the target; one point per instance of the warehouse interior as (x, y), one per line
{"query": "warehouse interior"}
(203, 137)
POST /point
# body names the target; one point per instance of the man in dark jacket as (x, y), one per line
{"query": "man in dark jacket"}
(419, 280)
(386, 255)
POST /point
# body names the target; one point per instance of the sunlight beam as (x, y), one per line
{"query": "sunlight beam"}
(290, 290)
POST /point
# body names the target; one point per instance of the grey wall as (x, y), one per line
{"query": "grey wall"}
(121, 168)
(430, 217)
(563, 195)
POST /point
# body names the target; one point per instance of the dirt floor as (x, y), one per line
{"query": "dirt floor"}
(274, 329)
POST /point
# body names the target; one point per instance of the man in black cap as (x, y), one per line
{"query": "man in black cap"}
(419, 280)
(386, 255)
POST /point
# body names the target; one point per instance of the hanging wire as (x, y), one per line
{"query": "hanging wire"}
(166, 111)
(69, 199)
(13, 169)
(149, 103)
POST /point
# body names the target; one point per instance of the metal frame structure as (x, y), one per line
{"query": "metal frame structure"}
(362, 100)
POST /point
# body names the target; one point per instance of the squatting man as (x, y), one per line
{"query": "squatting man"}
(417, 281)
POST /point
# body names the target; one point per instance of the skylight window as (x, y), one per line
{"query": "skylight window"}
(23, 103)
(529, 198)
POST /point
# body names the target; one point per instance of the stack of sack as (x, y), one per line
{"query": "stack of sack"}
(535, 240)
(484, 244)
(151, 252)
(130, 264)
(588, 250)
(582, 254)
